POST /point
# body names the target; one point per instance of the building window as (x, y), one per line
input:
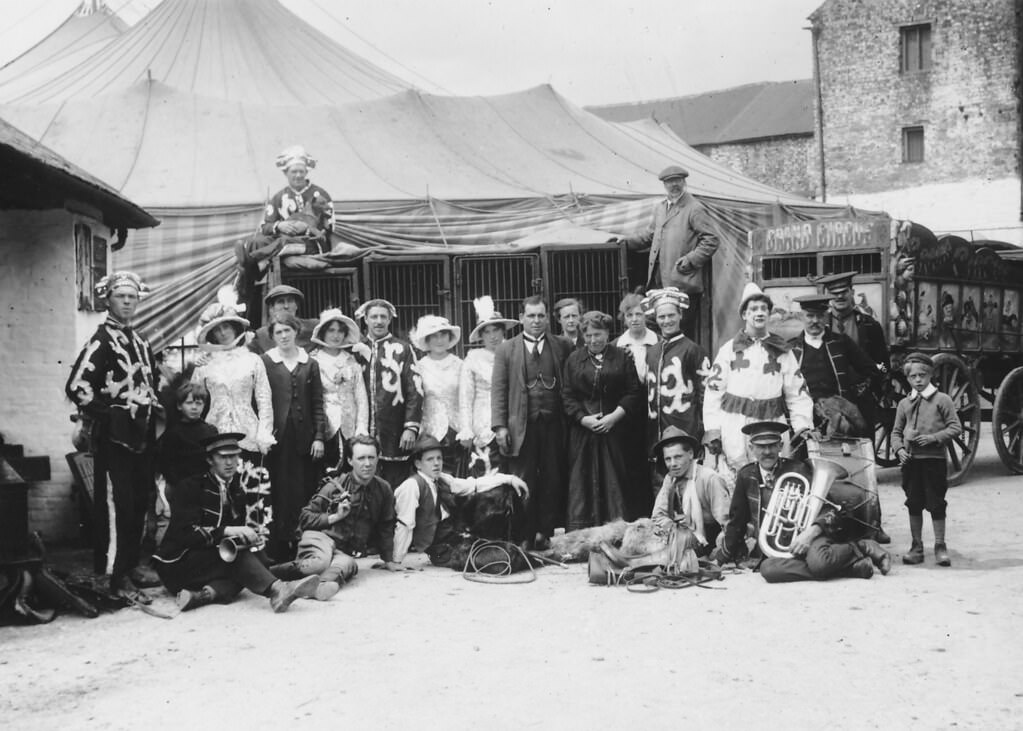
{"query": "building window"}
(91, 265)
(916, 48)
(912, 144)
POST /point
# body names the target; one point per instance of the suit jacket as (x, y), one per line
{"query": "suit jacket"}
(843, 352)
(298, 397)
(681, 232)
(749, 501)
(197, 517)
(509, 404)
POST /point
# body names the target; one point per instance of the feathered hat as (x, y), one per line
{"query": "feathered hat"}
(487, 315)
(225, 309)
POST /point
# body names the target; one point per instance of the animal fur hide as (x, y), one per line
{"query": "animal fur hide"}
(839, 417)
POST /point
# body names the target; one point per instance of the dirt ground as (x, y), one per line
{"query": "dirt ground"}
(925, 647)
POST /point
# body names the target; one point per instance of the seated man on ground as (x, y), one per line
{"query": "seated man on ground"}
(206, 509)
(691, 494)
(350, 515)
(825, 544)
(425, 502)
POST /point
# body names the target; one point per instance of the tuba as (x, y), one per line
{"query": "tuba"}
(794, 505)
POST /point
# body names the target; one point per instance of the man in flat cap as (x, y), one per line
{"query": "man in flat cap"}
(282, 299)
(690, 493)
(113, 385)
(682, 239)
(205, 510)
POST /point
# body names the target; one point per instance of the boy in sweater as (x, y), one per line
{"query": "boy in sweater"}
(925, 422)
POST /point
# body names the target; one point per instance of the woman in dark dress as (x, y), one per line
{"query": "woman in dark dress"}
(599, 389)
(299, 427)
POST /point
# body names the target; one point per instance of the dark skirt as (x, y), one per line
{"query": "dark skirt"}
(293, 480)
(596, 478)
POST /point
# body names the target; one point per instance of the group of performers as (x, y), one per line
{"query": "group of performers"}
(293, 450)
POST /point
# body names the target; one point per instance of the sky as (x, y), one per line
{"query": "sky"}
(591, 51)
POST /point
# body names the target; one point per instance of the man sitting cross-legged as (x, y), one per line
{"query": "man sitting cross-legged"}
(206, 509)
(425, 501)
(342, 520)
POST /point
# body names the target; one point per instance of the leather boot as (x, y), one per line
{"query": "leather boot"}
(877, 555)
(915, 555)
(881, 537)
(862, 569)
(287, 571)
(326, 590)
(188, 600)
(144, 577)
(940, 549)
(283, 593)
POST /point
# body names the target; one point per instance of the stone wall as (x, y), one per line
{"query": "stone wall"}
(788, 163)
(965, 102)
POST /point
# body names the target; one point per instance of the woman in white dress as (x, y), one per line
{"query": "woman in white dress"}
(344, 391)
(475, 433)
(440, 369)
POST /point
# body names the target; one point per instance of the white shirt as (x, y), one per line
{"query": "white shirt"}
(406, 502)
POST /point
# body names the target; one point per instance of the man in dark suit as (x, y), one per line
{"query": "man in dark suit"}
(754, 485)
(206, 509)
(528, 418)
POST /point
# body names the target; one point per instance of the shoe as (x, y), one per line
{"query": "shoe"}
(126, 588)
(188, 600)
(326, 590)
(144, 577)
(287, 571)
(941, 556)
(881, 537)
(283, 593)
(915, 554)
(877, 555)
(862, 569)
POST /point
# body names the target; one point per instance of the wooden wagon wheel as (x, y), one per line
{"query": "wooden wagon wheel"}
(894, 388)
(1007, 420)
(953, 376)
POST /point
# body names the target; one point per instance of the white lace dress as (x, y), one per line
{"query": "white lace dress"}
(474, 397)
(235, 379)
(344, 394)
(440, 395)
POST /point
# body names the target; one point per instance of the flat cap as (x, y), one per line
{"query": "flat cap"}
(283, 290)
(673, 171)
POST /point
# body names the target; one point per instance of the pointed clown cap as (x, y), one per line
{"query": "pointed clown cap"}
(750, 291)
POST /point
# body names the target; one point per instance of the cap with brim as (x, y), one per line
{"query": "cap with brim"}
(814, 302)
(424, 444)
(212, 317)
(225, 443)
(837, 283)
(674, 435)
(673, 171)
(765, 432)
(283, 290)
(922, 358)
(335, 315)
(431, 325)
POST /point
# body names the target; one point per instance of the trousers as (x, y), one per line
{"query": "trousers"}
(122, 492)
(201, 567)
(826, 559)
(318, 556)
(541, 463)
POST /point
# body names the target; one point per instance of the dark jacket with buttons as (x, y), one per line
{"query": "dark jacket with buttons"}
(297, 398)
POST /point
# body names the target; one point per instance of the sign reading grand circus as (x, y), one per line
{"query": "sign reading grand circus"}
(843, 233)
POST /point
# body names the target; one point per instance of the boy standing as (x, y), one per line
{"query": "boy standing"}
(925, 422)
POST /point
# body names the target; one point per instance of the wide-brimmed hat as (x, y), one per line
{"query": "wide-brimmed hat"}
(424, 444)
(765, 432)
(283, 290)
(335, 315)
(674, 434)
(225, 443)
(487, 315)
(430, 325)
(217, 314)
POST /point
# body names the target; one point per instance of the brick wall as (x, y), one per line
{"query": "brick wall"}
(965, 102)
(788, 163)
(41, 331)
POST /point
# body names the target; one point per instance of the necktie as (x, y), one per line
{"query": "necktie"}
(769, 479)
(535, 353)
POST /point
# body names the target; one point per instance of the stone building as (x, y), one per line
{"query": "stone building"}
(762, 130)
(917, 111)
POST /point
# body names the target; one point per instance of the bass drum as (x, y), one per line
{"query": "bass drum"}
(859, 507)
